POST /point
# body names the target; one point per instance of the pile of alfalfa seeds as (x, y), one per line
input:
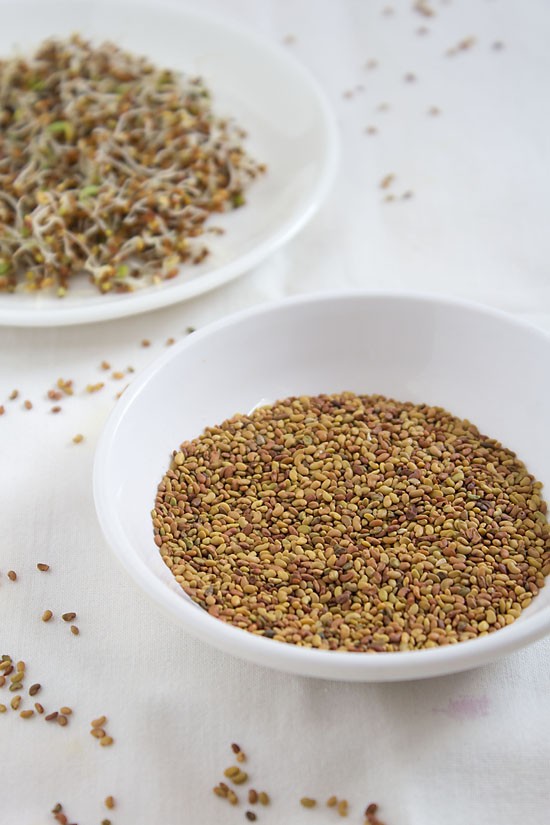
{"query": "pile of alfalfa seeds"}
(348, 522)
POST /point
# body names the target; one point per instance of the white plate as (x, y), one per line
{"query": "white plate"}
(478, 363)
(289, 123)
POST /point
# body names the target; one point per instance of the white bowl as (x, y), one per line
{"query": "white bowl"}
(478, 363)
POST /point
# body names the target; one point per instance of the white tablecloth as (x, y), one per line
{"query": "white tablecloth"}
(471, 748)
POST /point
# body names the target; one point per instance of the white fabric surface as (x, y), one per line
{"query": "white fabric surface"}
(467, 748)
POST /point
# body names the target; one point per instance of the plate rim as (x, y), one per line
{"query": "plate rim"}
(149, 299)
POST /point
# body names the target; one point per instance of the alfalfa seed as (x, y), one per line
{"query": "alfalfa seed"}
(363, 524)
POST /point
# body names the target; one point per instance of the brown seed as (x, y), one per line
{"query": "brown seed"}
(43, 567)
(117, 376)
(343, 807)
(307, 802)
(263, 798)
(51, 716)
(38, 707)
(424, 8)
(332, 801)
(33, 690)
(65, 386)
(235, 748)
(3, 708)
(67, 711)
(62, 819)
(91, 388)
(2, 410)
(241, 757)
(2, 681)
(14, 394)
(105, 822)
(62, 720)
(371, 809)
(74, 630)
(26, 714)
(251, 816)
(99, 733)
(110, 802)
(170, 341)
(105, 741)
(252, 796)
(12, 575)
(98, 723)
(145, 342)
(56, 409)
(78, 438)
(27, 405)
(57, 808)
(387, 181)
(240, 778)
(47, 615)
(15, 702)
(232, 797)
(105, 365)
(219, 791)
(68, 617)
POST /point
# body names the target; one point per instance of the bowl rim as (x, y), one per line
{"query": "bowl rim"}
(344, 665)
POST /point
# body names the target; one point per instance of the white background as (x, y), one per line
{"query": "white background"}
(467, 748)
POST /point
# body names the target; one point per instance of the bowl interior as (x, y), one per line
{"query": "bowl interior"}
(477, 364)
